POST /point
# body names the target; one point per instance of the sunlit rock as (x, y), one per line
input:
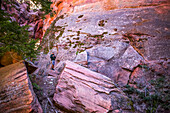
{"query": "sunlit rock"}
(130, 59)
(82, 90)
(16, 92)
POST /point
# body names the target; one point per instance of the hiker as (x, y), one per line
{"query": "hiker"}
(53, 57)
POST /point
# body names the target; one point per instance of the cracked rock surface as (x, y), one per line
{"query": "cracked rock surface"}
(82, 90)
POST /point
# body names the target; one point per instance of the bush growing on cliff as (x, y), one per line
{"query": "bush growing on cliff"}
(156, 99)
(15, 38)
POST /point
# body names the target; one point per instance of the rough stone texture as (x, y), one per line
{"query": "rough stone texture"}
(110, 4)
(159, 48)
(45, 87)
(151, 48)
(81, 58)
(115, 40)
(107, 30)
(16, 92)
(82, 31)
(148, 71)
(140, 77)
(105, 53)
(130, 59)
(82, 90)
(132, 30)
(114, 51)
(71, 6)
(151, 77)
(115, 72)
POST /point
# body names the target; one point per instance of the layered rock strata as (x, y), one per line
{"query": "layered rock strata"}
(16, 92)
(82, 90)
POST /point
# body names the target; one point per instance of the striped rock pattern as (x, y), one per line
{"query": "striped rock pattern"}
(84, 91)
(16, 92)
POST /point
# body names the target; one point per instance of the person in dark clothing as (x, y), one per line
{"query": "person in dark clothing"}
(53, 57)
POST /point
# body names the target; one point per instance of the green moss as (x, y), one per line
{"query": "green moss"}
(158, 97)
(144, 66)
(36, 86)
(51, 44)
(129, 89)
(78, 33)
(61, 33)
(130, 103)
(46, 50)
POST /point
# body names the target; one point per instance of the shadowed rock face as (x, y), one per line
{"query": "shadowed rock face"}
(82, 90)
(24, 16)
(16, 93)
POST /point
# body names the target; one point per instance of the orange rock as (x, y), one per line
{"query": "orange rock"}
(16, 92)
(66, 5)
(10, 58)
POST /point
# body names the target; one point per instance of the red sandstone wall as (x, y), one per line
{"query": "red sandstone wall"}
(69, 6)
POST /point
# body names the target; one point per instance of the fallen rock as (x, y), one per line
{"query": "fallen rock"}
(116, 49)
(140, 77)
(16, 92)
(82, 90)
(115, 72)
(81, 58)
(130, 59)
(105, 53)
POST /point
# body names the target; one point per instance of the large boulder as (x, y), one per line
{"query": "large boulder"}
(16, 92)
(113, 70)
(147, 72)
(82, 90)
(120, 68)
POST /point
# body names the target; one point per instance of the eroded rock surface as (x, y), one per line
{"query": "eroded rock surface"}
(82, 90)
(116, 41)
(16, 92)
